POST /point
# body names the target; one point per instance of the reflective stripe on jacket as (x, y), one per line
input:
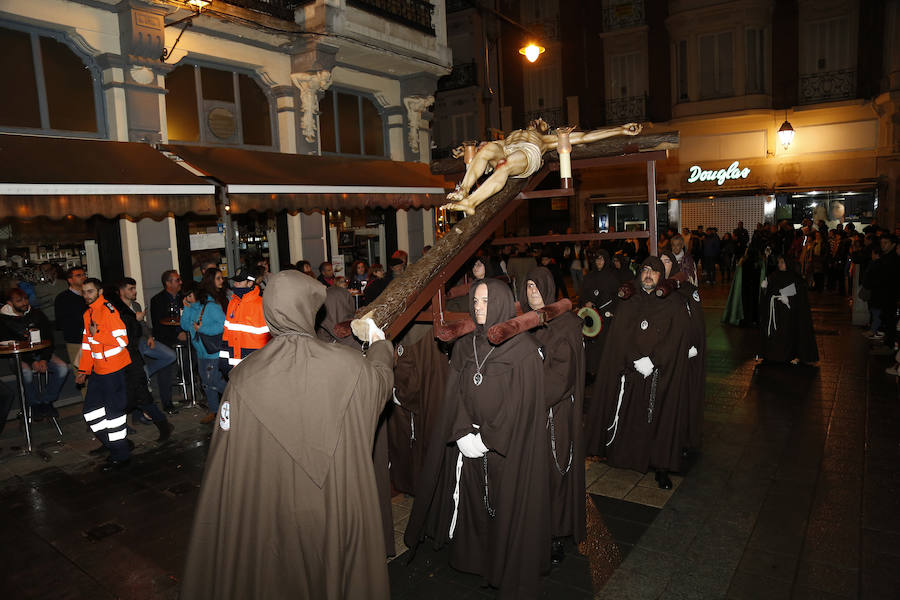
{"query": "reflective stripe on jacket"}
(245, 327)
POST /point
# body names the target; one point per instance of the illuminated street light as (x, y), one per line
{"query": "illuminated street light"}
(532, 51)
(786, 134)
(199, 4)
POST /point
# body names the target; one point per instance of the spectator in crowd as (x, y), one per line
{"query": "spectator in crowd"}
(712, 247)
(326, 274)
(47, 288)
(359, 274)
(69, 306)
(886, 290)
(204, 315)
(245, 329)
(140, 401)
(17, 320)
(685, 260)
(103, 359)
(726, 261)
(159, 354)
(304, 267)
(374, 283)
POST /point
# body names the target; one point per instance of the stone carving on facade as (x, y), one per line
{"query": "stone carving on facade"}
(415, 106)
(311, 85)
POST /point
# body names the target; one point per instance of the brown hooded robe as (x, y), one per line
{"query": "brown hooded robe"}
(339, 307)
(648, 431)
(563, 349)
(420, 376)
(288, 506)
(512, 548)
(600, 289)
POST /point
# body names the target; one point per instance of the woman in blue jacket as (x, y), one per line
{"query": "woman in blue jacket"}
(204, 313)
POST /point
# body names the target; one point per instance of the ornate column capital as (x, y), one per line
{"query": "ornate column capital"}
(415, 107)
(311, 86)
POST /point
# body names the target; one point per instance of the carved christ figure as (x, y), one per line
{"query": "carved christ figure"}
(519, 155)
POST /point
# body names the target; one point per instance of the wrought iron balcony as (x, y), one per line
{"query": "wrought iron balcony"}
(282, 9)
(552, 116)
(828, 86)
(462, 75)
(622, 14)
(632, 109)
(412, 13)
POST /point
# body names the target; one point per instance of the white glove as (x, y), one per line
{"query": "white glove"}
(764, 284)
(692, 352)
(644, 366)
(471, 446)
(366, 330)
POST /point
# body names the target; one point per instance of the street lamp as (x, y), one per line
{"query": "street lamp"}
(532, 51)
(786, 133)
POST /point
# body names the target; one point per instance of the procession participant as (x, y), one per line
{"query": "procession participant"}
(483, 488)
(288, 504)
(786, 322)
(598, 291)
(518, 155)
(561, 340)
(633, 415)
(104, 357)
(245, 326)
(695, 393)
(420, 376)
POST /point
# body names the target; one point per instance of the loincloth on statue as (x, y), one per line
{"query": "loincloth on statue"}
(532, 153)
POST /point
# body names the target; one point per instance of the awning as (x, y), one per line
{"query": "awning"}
(274, 181)
(56, 177)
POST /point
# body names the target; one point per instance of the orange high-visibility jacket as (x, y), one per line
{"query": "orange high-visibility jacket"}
(245, 327)
(105, 351)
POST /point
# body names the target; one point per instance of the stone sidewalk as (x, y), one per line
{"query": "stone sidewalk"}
(794, 495)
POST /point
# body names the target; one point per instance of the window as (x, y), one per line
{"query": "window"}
(350, 123)
(54, 87)
(716, 65)
(827, 46)
(215, 106)
(755, 68)
(681, 65)
(625, 74)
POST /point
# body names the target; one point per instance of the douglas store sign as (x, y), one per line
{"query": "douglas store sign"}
(733, 171)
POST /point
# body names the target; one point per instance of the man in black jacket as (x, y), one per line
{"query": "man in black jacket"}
(17, 320)
(69, 307)
(165, 306)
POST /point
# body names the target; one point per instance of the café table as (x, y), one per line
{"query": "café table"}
(16, 349)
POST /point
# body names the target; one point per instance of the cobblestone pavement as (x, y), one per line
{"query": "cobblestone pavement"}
(794, 495)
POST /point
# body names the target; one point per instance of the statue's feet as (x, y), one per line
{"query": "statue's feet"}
(469, 210)
(457, 196)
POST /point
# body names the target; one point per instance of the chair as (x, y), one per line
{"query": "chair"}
(185, 372)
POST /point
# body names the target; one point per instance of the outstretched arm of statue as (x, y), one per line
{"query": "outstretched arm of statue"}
(586, 137)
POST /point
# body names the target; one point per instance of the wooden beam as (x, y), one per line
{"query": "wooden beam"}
(651, 205)
(570, 237)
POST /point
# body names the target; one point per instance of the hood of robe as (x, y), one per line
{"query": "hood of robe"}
(607, 260)
(543, 279)
(501, 304)
(291, 302)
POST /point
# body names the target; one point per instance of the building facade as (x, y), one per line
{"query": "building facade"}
(727, 75)
(343, 78)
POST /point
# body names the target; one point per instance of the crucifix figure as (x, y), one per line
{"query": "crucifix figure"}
(519, 155)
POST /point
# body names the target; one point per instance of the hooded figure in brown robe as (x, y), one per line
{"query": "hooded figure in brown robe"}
(692, 407)
(420, 376)
(563, 349)
(491, 507)
(339, 307)
(288, 506)
(598, 291)
(634, 419)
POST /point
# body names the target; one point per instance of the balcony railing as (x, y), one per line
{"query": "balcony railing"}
(827, 86)
(463, 75)
(412, 13)
(552, 116)
(282, 9)
(632, 109)
(622, 14)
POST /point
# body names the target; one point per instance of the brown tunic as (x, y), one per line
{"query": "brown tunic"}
(510, 548)
(563, 349)
(288, 505)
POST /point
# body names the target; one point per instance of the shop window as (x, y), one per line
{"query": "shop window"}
(215, 106)
(350, 124)
(716, 65)
(755, 68)
(55, 89)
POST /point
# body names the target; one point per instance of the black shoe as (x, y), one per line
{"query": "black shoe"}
(115, 465)
(662, 478)
(557, 551)
(98, 450)
(172, 411)
(140, 418)
(165, 430)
